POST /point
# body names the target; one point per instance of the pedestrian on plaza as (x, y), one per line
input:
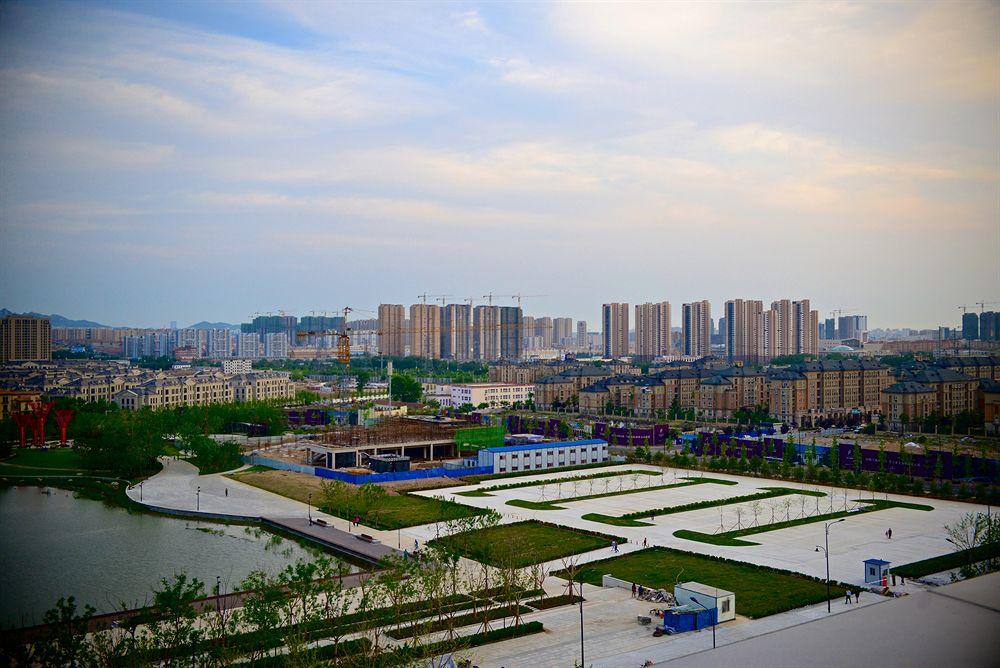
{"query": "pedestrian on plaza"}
(416, 545)
(614, 546)
(889, 533)
(642, 590)
(847, 597)
(644, 543)
(633, 590)
(902, 579)
(227, 491)
(857, 595)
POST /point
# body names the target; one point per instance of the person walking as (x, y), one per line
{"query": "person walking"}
(634, 589)
(416, 545)
(889, 533)
(644, 543)
(857, 595)
(847, 597)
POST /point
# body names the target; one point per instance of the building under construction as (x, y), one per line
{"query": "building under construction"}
(424, 439)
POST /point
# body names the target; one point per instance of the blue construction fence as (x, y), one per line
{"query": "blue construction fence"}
(395, 476)
(658, 434)
(920, 465)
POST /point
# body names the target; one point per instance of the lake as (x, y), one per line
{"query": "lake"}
(53, 544)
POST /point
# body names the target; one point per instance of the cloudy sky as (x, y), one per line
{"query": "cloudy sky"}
(188, 161)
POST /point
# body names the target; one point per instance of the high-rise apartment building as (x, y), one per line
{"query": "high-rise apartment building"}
(456, 332)
(806, 334)
(970, 326)
(25, 338)
(581, 334)
(511, 332)
(562, 331)
(696, 328)
(219, 345)
(652, 330)
(248, 346)
(744, 329)
(615, 332)
(276, 345)
(425, 330)
(486, 333)
(852, 327)
(989, 326)
(830, 330)
(391, 324)
(544, 331)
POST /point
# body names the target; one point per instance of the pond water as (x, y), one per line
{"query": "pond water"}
(53, 544)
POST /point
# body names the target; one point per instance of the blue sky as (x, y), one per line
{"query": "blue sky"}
(188, 161)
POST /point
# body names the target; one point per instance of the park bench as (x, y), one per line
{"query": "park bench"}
(320, 522)
(368, 539)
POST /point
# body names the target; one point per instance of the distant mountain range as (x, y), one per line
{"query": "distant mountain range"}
(63, 321)
(213, 325)
(57, 320)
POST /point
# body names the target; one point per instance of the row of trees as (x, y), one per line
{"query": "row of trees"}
(281, 616)
(126, 443)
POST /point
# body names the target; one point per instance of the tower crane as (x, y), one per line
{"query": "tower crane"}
(982, 305)
(343, 338)
(520, 297)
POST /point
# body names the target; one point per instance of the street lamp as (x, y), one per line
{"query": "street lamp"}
(582, 662)
(826, 553)
(218, 593)
(309, 508)
(140, 491)
(714, 619)
(198, 499)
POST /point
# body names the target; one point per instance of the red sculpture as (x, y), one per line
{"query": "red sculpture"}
(40, 411)
(24, 420)
(63, 417)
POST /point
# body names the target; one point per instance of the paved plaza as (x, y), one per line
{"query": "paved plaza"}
(916, 534)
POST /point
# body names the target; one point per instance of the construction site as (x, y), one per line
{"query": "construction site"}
(426, 442)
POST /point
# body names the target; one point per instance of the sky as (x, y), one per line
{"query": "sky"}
(197, 161)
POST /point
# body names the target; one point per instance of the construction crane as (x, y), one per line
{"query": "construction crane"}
(982, 305)
(965, 309)
(440, 298)
(490, 296)
(343, 338)
(520, 297)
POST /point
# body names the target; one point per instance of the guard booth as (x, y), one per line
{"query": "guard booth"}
(720, 601)
(388, 463)
(876, 570)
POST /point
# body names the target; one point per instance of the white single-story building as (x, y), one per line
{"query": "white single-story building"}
(723, 601)
(540, 456)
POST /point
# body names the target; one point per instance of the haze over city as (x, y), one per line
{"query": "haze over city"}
(192, 161)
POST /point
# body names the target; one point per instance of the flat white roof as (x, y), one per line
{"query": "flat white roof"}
(699, 588)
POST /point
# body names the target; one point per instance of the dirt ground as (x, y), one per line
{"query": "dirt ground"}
(894, 442)
(299, 486)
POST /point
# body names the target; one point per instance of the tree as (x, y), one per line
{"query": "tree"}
(362, 377)
(406, 388)
(66, 637)
(972, 531)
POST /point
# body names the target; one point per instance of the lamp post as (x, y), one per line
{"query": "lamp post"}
(582, 662)
(140, 491)
(309, 500)
(713, 619)
(826, 553)
(198, 499)
(218, 593)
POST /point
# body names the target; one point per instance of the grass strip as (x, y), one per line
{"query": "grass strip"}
(554, 504)
(523, 543)
(554, 601)
(630, 519)
(948, 562)
(479, 617)
(732, 538)
(538, 483)
(760, 590)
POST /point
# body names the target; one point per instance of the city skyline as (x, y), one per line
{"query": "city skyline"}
(278, 153)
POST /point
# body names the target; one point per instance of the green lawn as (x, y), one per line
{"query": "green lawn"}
(631, 519)
(485, 491)
(55, 461)
(732, 538)
(760, 591)
(554, 504)
(523, 543)
(406, 510)
(948, 562)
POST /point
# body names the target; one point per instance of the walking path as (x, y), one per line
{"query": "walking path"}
(179, 488)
